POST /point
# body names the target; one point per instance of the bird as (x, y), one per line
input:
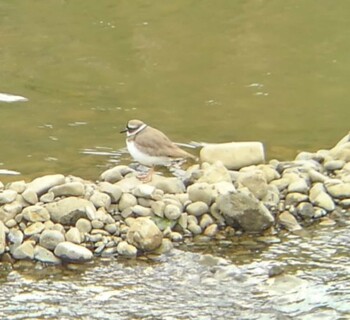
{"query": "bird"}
(151, 147)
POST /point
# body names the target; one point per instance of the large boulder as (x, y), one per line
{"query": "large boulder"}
(246, 210)
(144, 234)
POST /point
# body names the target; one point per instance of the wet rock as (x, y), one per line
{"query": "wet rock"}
(114, 191)
(45, 256)
(36, 214)
(49, 239)
(172, 212)
(83, 225)
(126, 249)
(72, 252)
(100, 199)
(69, 210)
(168, 185)
(73, 235)
(116, 174)
(288, 221)
(7, 196)
(2, 238)
(197, 208)
(243, 208)
(68, 189)
(127, 200)
(141, 211)
(234, 155)
(255, 181)
(339, 190)
(30, 196)
(24, 251)
(144, 234)
(214, 173)
(42, 184)
(34, 228)
(201, 192)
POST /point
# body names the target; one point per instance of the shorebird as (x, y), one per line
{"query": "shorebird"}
(151, 147)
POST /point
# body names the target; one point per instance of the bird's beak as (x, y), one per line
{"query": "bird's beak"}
(123, 131)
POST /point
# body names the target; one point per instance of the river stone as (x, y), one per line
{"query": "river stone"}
(114, 191)
(171, 185)
(2, 238)
(127, 200)
(197, 208)
(172, 212)
(68, 189)
(234, 155)
(116, 174)
(45, 256)
(69, 210)
(7, 196)
(30, 196)
(269, 172)
(272, 197)
(12, 209)
(100, 199)
(306, 210)
(339, 190)
(211, 230)
(255, 181)
(316, 176)
(145, 191)
(341, 152)
(194, 228)
(158, 208)
(144, 234)
(182, 222)
(333, 165)
(24, 251)
(36, 213)
(141, 211)
(201, 192)
(47, 197)
(83, 225)
(126, 249)
(320, 198)
(11, 223)
(214, 173)
(49, 239)
(299, 186)
(18, 186)
(246, 210)
(73, 235)
(205, 221)
(42, 184)
(34, 228)
(69, 251)
(15, 236)
(287, 220)
(295, 198)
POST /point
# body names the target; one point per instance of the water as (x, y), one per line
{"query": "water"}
(274, 71)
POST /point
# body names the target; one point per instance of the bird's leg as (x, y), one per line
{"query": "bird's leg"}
(148, 177)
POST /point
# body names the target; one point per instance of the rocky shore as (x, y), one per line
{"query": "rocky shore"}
(58, 218)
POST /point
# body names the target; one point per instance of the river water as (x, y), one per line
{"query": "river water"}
(275, 71)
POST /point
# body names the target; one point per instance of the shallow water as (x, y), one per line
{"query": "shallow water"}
(273, 71)
(231, 283)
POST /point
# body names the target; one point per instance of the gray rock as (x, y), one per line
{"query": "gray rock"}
(35, 228)
(144, 234)
(73, 235)
(127, 200)
(45, 256)
(214, 173)
(299, 186)
(18, 186)
(7, 196)
(100, 199)
(234, 155)
(288, 221)
(141, 211)
(201, 192)
(272, 197)
(197, 208)
(171, 185)
(30, 196)
(305, 210)
(295, 198)
(83, 225)
(24, 251)
(255, 181)
(69, 210)
(49, 239)
(42, 184)
(126, 249)
(36, 214)
(339, 190)
(147, 191)
(15, 236)
(244, 209)
(172, 212)
(68, 189)
(116, 174)
(114, 191)
(72, 252)
(2, 238)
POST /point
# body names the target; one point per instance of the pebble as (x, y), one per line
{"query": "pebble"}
(126, 249)
(45, 256)
(211, 230)
(214, 173)
(7, 196)
(201, 192)
(42, 184)
(127, 200)
(141, 211)
(30, 196)
(114, 191)
(73, 235)
(34, 228)
(2, 238)
(197, 208)
(18, 186)
(205, 221)
(255, 181)
(83, 225)
(116, 174)
(168, 185)
(36, 214)
(299, 186)
(339, 190)
(49, 239)
(68, 251)
(24, 251)
(305, 210)
(288, 221)
(158, 208)
(100, 199)
(172, 212)
(68, 189)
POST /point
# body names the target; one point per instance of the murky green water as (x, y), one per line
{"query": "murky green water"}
(275, 71)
